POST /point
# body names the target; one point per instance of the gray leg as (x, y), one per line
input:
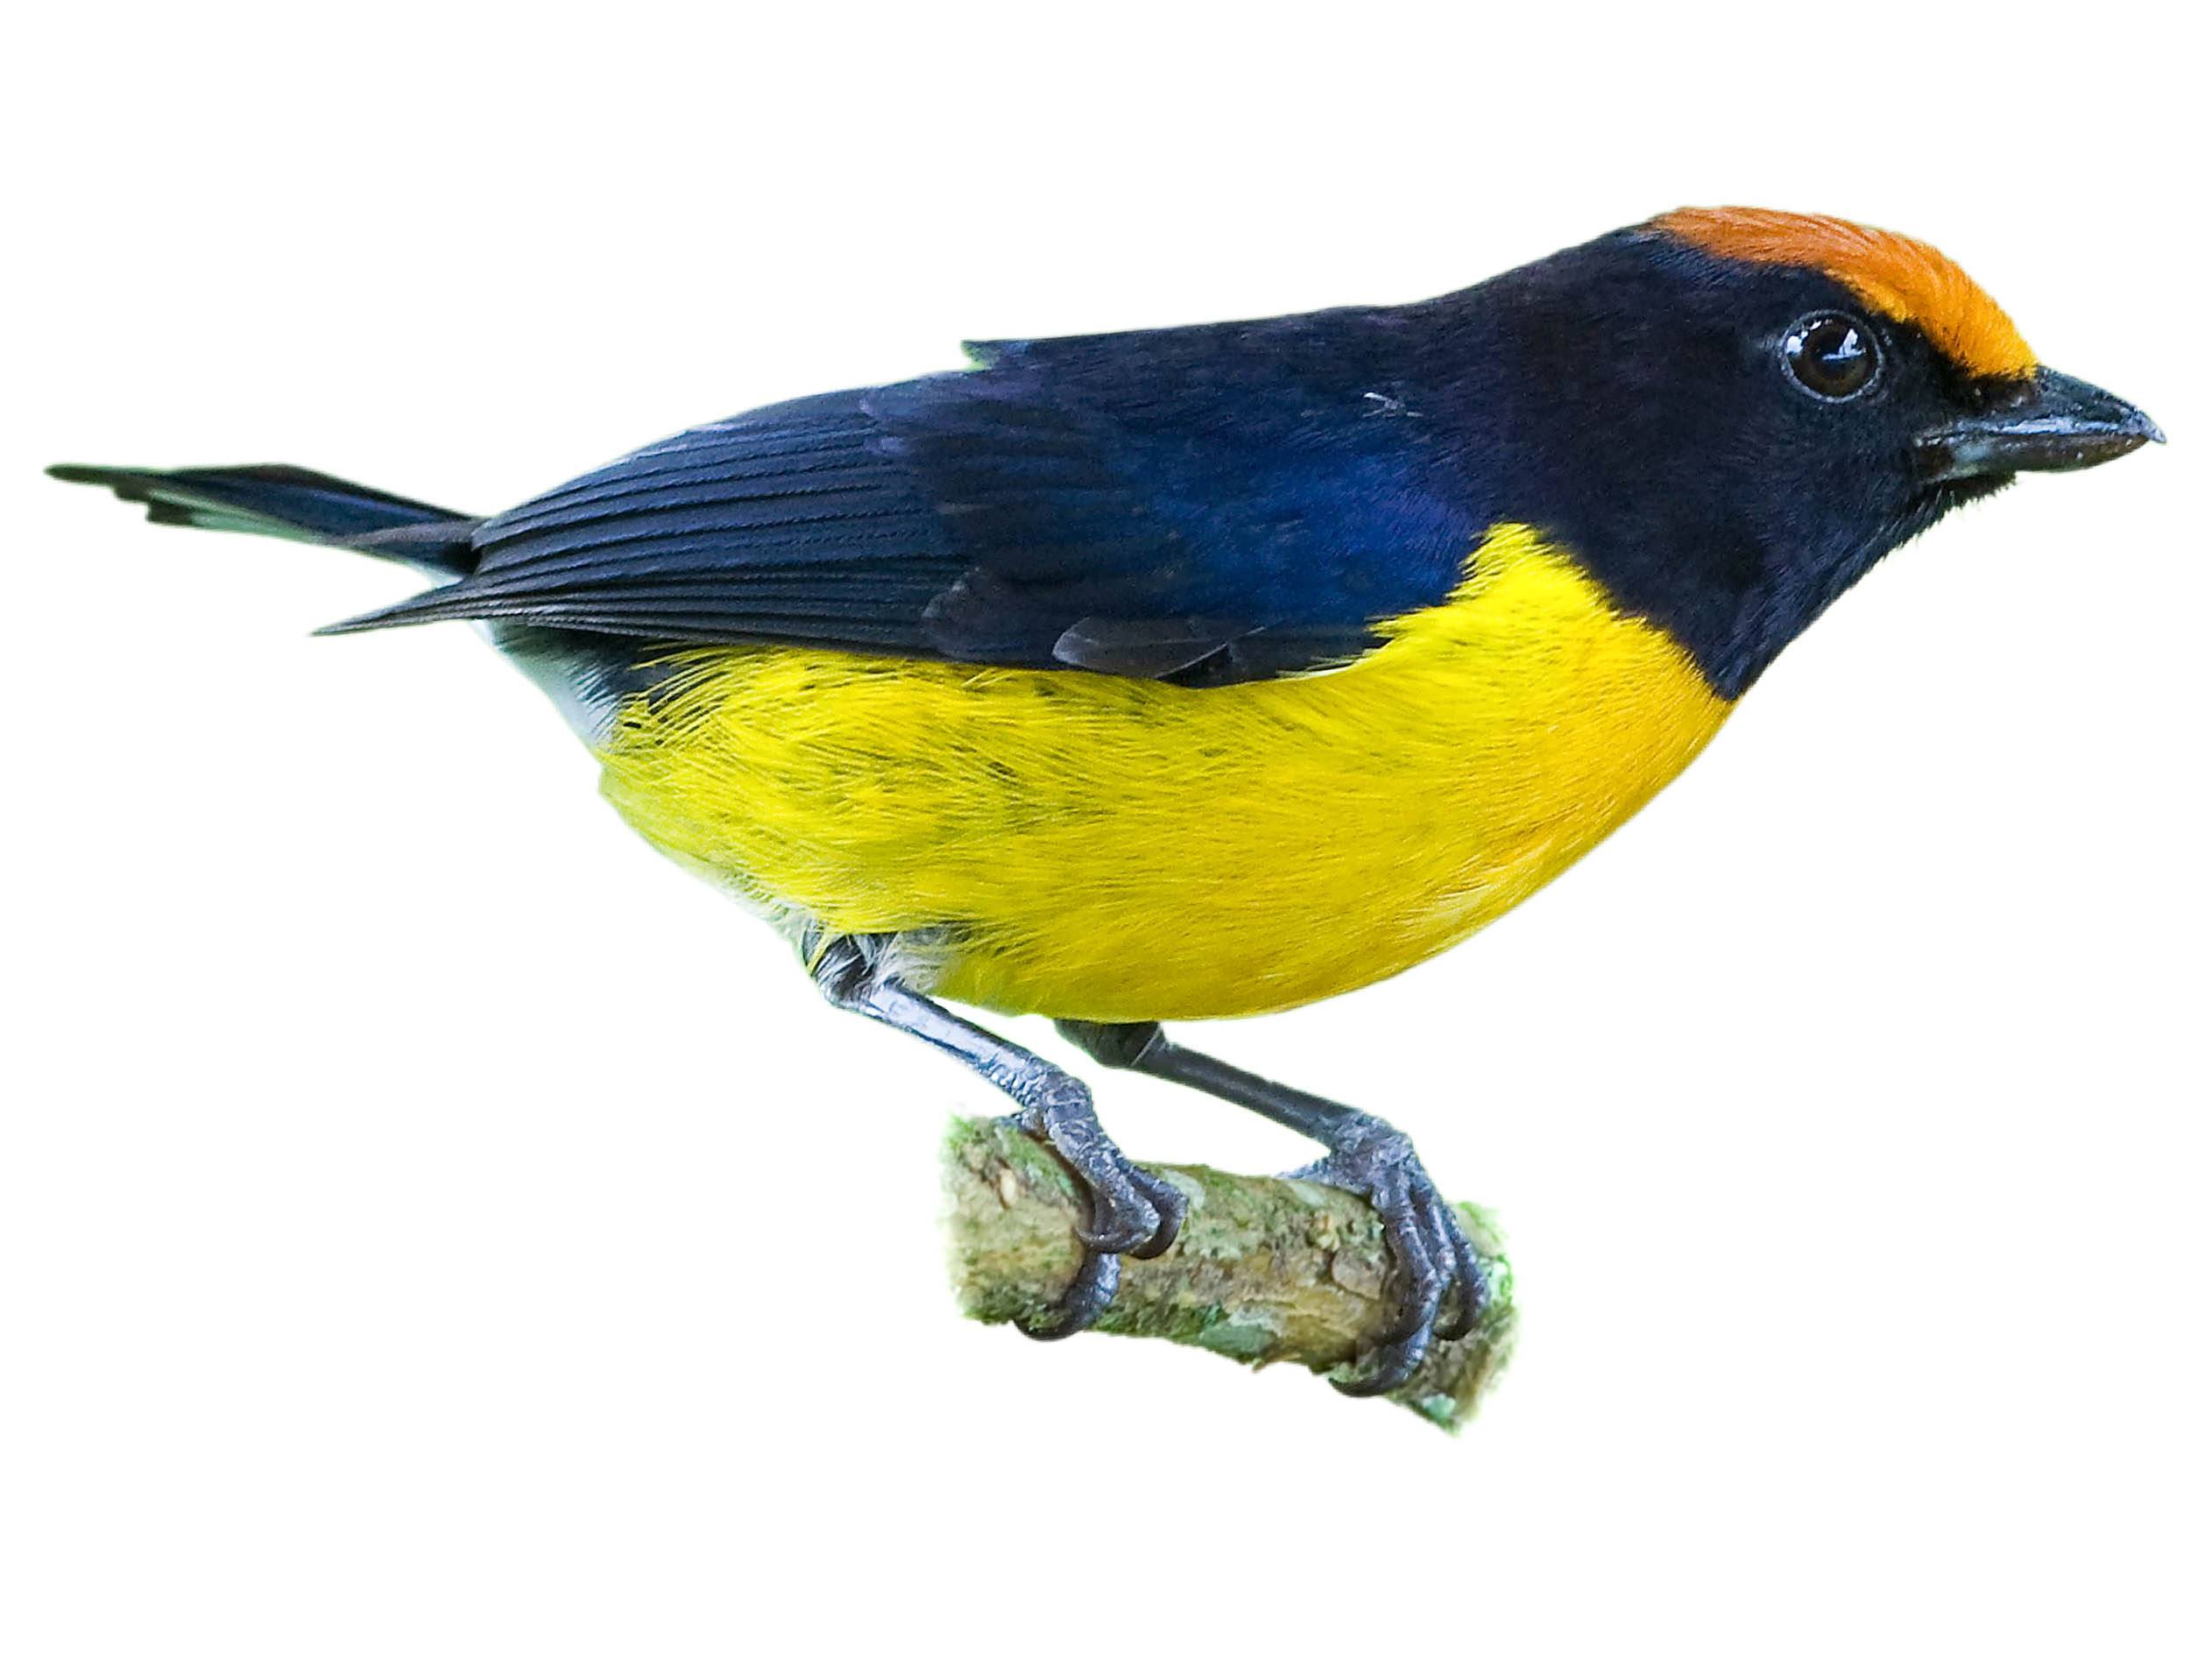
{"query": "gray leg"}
(1131, 1212)
(1437, 1264)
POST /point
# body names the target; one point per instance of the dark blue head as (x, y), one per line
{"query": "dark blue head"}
(1730, 415)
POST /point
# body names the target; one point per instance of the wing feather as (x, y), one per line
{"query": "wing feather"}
(1202, 505)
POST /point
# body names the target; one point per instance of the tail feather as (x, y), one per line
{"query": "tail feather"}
(294, 502)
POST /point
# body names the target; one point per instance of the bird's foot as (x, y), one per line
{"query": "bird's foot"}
(1128, 1211)
(1442, 1287)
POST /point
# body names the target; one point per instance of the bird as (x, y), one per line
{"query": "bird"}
(1209, 671)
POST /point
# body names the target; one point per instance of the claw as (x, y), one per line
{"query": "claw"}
(1424, 1278)
(1168, 1201)
(1387, 1368)
(1470, 1285)
(1130, 1211)
(1086, 1298)
(1442, 1289)
(1128, 1217)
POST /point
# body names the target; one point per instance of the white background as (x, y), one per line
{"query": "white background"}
(431, 1225)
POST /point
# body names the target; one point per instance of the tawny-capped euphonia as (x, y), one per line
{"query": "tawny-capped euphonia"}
(1208, 671)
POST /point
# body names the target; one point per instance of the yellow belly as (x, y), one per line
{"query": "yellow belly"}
(1105, 849)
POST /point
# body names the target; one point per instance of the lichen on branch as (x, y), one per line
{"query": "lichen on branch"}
(1267, 1269)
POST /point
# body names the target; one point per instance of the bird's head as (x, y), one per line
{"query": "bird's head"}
(1751, 407)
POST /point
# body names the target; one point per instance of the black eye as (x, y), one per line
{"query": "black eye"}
(1833, 356)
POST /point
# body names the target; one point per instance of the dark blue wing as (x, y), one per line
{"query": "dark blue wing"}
(1209, 505)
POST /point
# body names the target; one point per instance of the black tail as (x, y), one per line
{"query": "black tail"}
(293, 501)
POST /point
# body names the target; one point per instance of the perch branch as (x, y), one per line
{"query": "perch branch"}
(1266, 1268)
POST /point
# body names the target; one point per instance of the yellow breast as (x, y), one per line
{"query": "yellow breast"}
(1105, 849)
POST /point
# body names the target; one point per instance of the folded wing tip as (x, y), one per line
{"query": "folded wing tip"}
(352, 624)
(406, 613)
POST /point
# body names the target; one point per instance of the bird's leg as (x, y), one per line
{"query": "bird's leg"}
(1132, 1212)
(1443, 1289)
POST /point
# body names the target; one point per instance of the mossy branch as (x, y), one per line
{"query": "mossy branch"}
(1265, 1269)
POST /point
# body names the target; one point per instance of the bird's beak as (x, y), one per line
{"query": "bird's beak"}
(2053, 423)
